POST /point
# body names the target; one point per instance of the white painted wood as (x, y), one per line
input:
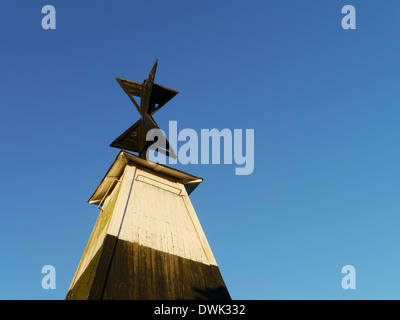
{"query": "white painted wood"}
(122, 201)
(98, 234)
(148, 205)
(117, 168)
(155, 211)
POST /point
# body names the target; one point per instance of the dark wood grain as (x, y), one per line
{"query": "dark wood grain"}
(135, 272)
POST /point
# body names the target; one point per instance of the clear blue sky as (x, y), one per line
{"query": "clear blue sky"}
(324, 103)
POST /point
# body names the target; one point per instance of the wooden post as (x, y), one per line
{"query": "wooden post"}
(147, 242)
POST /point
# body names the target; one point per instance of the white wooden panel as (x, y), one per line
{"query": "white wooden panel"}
(98, 234)
(123, 199)
(158, 214)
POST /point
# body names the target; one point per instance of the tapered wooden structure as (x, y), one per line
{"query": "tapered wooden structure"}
(147, 242)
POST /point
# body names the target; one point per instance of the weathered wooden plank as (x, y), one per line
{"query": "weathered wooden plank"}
(160, 275)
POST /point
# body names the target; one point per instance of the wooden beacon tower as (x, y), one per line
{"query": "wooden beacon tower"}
(147, 243)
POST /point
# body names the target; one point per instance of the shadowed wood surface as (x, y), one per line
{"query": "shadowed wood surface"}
(141, 273)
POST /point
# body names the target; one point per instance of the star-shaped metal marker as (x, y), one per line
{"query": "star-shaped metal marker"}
(152, 98)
